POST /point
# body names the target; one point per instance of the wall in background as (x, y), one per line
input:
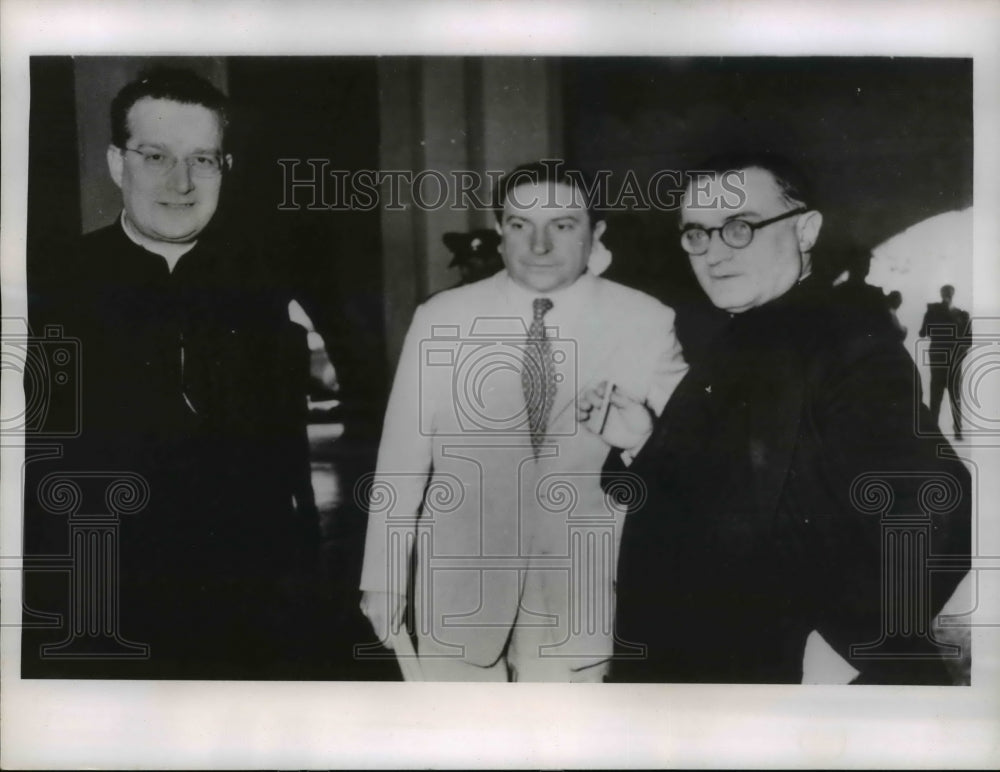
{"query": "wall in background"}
(449, 114)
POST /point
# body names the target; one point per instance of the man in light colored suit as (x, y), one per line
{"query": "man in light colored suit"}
(483, 465)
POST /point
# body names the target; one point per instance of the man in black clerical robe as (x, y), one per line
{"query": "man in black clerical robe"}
(192, 444)
(785, 491)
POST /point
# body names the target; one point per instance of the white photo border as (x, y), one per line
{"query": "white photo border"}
(143, 724)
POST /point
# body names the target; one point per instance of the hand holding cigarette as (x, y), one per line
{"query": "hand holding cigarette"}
(622, 420)
(602, 414)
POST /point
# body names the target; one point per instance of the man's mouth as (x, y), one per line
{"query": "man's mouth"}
(177, 205)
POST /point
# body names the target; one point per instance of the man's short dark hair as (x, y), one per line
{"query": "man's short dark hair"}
(791, 180)
(175, 84)
(548, 172)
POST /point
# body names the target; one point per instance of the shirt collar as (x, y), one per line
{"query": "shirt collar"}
(567, 303)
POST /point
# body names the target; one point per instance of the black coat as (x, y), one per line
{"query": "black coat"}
(193, 381)
(767, 492)
(949, 331)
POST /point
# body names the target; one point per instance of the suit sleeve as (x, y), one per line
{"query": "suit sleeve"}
(923, 325)
(964, 334)
(878, 468)
(667, 369)
(404, 463)
(665, 353)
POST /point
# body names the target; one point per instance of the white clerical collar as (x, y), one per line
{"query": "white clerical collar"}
(165, 249)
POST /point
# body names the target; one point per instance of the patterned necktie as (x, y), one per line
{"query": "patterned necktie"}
(538, 377)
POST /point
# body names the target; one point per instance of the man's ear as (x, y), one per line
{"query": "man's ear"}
(600, 256)
(116, 161)
(807, 229)
(228, 160)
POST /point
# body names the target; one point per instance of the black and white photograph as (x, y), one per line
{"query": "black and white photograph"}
(349, 379)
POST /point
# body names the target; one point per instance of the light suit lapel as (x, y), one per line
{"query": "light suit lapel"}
(594, 338)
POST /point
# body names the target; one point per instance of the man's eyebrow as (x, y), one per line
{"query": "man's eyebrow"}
(743, 214)
(574, 218)
(686, 226)
(196, 151)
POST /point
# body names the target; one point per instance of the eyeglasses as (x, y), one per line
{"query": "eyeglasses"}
(160, 163)
(735, 233)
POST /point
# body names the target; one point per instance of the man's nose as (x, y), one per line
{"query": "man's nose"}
(540, 241)
(179, 178)
(718, 250)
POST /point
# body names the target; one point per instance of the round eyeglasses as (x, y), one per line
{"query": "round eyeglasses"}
(160, 163)
(734, 233)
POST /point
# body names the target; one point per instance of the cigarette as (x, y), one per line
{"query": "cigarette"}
(605, 406)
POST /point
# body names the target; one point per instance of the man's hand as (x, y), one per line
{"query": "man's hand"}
(385, 612)
(628, 423)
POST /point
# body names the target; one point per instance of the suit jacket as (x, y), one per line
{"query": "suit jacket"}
(456, 450)
(783, 477)
(949, 330)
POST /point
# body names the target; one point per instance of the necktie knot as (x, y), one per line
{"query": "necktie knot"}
(541, 306)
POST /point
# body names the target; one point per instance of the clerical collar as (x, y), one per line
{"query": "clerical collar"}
(801, 280)
(168, 251)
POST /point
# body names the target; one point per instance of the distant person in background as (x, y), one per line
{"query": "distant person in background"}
(894, 300)
(949, 330)
(476, 254)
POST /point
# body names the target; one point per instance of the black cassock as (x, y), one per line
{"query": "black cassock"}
(785, 474)
(194, 380)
